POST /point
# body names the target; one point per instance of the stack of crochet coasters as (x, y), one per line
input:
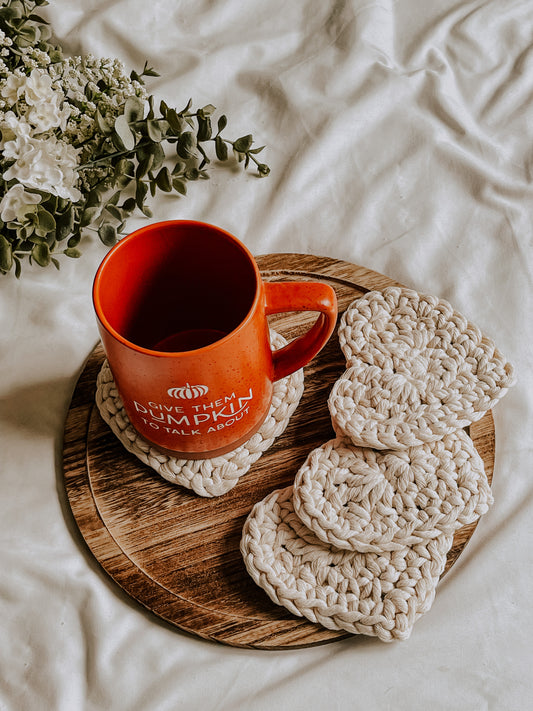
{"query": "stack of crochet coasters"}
(206, 477)
(358, 543)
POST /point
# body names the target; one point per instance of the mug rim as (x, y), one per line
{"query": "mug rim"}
(139, 234)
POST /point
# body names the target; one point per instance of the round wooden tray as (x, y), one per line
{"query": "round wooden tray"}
(177, 553)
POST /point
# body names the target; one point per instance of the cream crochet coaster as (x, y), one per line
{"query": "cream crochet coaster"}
(417, 370)
(380, 594)
(368, 500)
(206, 477)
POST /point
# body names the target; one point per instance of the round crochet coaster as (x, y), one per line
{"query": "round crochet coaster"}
(417, 371)
(380, 594)
(367, 500)
(206, 477)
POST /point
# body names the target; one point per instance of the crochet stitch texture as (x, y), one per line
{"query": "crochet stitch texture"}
(358, 543)
(206, 477)
(417, 370)
(378, 594)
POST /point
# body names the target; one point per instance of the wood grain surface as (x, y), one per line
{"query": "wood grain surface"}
(178, 554)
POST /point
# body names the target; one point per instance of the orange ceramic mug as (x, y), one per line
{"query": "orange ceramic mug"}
(182, 313)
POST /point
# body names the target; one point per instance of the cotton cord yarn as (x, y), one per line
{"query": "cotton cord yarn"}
(417, 370)
(357, 498)
(378, 594)
(359, 542)
(206, 477)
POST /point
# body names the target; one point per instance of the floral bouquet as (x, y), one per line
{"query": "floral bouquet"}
(82, 144)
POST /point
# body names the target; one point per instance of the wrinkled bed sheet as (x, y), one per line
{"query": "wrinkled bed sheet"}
(400, 137)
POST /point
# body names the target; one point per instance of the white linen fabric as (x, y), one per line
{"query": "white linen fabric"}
(400, 138)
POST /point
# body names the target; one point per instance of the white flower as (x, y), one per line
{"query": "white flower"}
(15, 198)
(44, 115)
(45, 102)
(45, 164)
(13, 128)
(13, 88)
(38, 87)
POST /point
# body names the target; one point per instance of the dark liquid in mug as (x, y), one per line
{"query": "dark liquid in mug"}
(189, 287)
(189, 340)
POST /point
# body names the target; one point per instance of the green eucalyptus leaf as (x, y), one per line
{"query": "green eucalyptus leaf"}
(158, 153)
(10, 13)
(133, 109)
(18, 267)
(94, 198)
(107, 234)
(23, 232)
(150, 115)
(124, 132)
(37, 18)
(28, 36)
(144, 166)
(164, 127)
(207, 110)
(41, 254)
(45, 220)
(140, 194)
(74, 240)
(124, 171)
(6, 254)
(179, 186)
(154, 131)
(243, 144)
(122, 181)
(186, 146)
(114, 211)
(72, 252)
(204, 128)
(222, 123)
(129, 205)
(163, 180)
(56, 263)
(174, 121)
(221, 149)
(88, 216)
(102, 124)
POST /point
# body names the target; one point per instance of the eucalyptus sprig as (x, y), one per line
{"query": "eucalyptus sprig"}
(99, 146)
(135, 151)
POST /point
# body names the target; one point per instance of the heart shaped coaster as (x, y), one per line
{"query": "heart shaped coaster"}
(357, 498)
(380, 594)
(417, 370)
(206, 477)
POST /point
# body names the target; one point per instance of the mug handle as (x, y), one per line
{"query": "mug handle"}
(282, 297)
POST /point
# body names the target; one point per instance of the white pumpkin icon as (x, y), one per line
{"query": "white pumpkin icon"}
(188, 392)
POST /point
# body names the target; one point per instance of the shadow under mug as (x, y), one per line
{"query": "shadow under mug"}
(182, 314)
